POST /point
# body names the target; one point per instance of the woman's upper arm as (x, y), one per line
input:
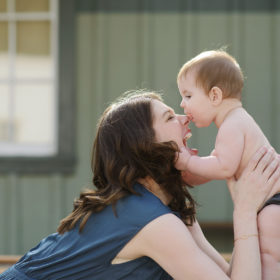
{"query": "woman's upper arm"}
(168, 242)
(207, 248)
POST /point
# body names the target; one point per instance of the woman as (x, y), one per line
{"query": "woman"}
(140, 222)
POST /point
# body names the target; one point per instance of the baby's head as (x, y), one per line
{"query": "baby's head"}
(215, 68)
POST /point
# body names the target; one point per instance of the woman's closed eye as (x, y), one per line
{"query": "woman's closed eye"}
(170, 117)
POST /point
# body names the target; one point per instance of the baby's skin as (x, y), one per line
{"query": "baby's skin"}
(238, 138)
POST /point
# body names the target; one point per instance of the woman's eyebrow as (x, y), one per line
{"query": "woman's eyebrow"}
(170, 111)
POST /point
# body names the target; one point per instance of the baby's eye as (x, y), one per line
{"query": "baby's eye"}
(170, 117)
(188, 96)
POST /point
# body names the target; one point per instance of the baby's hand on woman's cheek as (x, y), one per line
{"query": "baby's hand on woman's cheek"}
(182, 159)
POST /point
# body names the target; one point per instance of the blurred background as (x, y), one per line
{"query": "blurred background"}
(63, 61)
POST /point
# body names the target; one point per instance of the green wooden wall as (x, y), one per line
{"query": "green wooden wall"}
(142, 44)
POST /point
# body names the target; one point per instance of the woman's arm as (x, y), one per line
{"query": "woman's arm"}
(207, 248)
(170, 243)
(249, 194)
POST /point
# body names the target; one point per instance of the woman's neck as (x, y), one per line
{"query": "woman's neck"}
(155, 189)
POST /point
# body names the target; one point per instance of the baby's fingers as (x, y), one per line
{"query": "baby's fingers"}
(270, 168)
(256, 158)
(265, 161)
(273, 171)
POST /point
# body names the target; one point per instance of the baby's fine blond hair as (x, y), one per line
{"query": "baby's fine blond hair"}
(215, 68)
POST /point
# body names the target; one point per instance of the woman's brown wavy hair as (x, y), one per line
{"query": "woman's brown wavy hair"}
(125, 150)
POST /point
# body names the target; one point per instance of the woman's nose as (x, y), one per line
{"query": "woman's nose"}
(183, 119)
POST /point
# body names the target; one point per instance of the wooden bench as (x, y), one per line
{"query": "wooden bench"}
(7, 260)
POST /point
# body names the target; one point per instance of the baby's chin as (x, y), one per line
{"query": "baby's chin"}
(198, 125)
(202, 124)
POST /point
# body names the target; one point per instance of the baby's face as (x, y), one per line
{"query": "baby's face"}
(195, 102)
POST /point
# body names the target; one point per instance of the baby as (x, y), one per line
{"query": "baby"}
(210, 85)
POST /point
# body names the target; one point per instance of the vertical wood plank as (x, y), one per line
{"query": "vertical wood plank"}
(257, 94)
(89, 81)
(146, 45)
(123, 52)
(55, 206)
(166, 57)
(275, 81)
(212, 33)
(35, 210)
(14, 213)
(98, 53)
(4, 215)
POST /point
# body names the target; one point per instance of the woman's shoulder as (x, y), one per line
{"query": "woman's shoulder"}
(141, 207)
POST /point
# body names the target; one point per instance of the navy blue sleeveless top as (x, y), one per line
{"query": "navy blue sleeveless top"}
(88, 255)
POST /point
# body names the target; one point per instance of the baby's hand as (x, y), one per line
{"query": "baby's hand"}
(183, 158)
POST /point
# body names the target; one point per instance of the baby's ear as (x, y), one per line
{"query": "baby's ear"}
(216, 96)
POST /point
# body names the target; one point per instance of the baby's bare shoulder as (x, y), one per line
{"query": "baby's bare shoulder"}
(238, 118)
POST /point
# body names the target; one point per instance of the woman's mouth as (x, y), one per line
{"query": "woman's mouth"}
(187, 137)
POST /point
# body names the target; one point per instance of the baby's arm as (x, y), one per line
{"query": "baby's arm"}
(190, 178)
(225, 159)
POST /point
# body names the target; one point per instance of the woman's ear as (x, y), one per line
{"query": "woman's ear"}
(216, 96)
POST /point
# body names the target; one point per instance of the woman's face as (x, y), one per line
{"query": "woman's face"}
(169, 126)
